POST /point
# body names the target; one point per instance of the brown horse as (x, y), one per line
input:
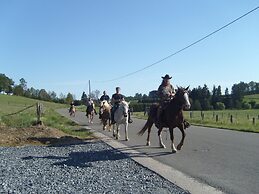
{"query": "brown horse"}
(171, 117)
(105, 112)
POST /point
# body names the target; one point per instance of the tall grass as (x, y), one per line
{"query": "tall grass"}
(27, 118)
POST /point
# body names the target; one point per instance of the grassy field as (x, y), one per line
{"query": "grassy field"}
(12, 104)
(254, 97)
(242, 119)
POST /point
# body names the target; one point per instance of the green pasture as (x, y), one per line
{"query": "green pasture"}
(253, 97)
(27, 118)
(242, 120)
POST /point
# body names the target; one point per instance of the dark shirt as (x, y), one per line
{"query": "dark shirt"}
(105, 97)
(117, 98)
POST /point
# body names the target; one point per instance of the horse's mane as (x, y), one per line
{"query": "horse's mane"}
(125, 103)
(105, 104)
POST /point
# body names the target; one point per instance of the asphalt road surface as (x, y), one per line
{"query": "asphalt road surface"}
(224, 159)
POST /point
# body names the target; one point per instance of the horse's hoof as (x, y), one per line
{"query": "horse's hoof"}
(127, 139)
(117, 137)
(174, 151)
(179, 147)
(162, 146)
(148, 143)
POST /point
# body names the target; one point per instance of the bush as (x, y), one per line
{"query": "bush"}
(220, 106)
(256, 106)
(139, 107)
(246, 105)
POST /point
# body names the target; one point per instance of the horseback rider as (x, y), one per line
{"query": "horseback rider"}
(103, 97)
(166, 92)
(71, 106)
(116, 99)
(90, 103)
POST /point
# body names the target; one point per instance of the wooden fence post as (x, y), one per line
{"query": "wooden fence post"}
(248, 116)
(253, 121)
(231, 118)
(191, 114)
(39, 113)
(217, 118)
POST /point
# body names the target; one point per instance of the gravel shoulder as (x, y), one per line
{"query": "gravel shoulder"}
(87, 167)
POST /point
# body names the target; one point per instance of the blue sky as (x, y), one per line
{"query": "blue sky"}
(60, 45)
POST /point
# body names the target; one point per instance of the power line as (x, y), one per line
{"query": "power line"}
(188, 46)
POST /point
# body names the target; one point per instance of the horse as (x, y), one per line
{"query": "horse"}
(171, 117)
(105, 114)
(72, 111)
(90, 113)
(121, 117)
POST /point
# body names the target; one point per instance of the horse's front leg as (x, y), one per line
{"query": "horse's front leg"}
(171, 130)
(126, 132)
(181, 127)
(113, 130)
(161, 144)
(117, 131)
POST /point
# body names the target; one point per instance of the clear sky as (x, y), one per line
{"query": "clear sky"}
(61, 44)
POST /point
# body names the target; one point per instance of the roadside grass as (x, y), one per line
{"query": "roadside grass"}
(242, 119)
(27, 118)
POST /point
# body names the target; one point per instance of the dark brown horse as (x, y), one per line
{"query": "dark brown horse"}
(171, 117)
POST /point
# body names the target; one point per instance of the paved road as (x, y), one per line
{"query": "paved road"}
(224, 159)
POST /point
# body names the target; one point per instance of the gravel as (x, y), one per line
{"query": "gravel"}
(90, 167)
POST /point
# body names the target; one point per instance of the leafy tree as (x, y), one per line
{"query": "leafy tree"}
(253, 103)
(97, 94)
(43, 95)
(53, 95)
(69, 98)
(246, 105)
(220, 106)
(23, 84)
(196, 105)
(6, 84)
(226, 92)
(18, 90)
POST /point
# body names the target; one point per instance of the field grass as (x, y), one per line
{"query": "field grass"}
(253, 97)
(12, 104)
(242, 119)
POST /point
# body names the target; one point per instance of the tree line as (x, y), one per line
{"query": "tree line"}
(203, 99)
(8, 86)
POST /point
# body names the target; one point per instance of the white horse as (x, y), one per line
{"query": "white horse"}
(121, 117)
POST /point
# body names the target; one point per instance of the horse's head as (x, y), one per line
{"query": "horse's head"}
(183, 97)
(125, 108)
(104, 105)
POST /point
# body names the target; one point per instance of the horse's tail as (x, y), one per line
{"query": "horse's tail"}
(147, 125)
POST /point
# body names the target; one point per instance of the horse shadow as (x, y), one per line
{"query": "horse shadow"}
(83, 159)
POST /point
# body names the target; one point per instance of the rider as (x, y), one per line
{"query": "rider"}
(89, 103)
(71, 106)
(103, 97)
(116, 99)
(166, 92)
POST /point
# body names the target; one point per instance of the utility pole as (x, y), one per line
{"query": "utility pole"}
(89, 88)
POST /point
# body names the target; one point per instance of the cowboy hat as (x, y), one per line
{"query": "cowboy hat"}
(166, 77)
